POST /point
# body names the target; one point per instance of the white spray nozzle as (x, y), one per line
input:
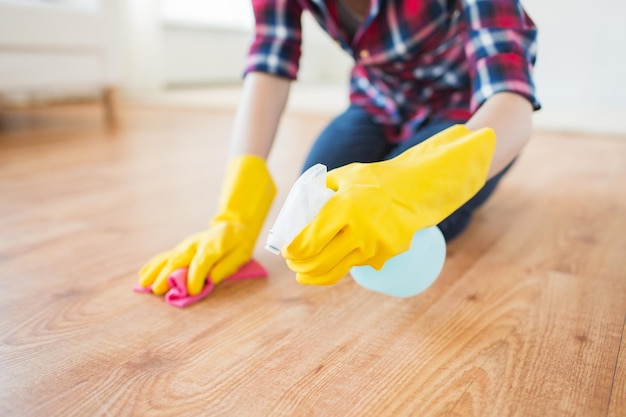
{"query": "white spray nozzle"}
(305, 199)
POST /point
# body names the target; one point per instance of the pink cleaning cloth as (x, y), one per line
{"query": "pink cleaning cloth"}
(177, 295)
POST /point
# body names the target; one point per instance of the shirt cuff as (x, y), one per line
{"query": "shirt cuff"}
(502, 72)
(274, 56)
(283, 70)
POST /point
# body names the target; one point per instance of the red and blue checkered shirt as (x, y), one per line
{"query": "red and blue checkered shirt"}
(414, 59)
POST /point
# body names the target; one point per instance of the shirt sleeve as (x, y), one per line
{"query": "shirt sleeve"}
(501, 48)
(276, 46)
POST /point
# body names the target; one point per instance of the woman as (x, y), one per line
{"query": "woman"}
(421, 67)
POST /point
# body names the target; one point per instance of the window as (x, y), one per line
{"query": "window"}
(82, 5)
(217, 13)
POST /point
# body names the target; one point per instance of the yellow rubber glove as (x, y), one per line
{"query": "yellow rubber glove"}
(246, 197)
(378, 207)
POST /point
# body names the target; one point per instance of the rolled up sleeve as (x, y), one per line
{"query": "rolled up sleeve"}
(276, 46)
(501, 48)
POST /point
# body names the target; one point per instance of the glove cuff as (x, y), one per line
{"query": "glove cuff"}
(446, 171)
(247, 192)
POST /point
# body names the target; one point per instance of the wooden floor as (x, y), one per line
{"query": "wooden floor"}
(527, 318)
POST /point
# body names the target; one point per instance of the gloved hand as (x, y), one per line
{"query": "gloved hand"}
(378, 207)
(246, 197)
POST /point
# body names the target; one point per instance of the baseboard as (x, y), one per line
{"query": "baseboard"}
(331, 99)
(611, 121)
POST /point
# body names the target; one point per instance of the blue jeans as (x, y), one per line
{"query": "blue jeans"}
(354, 137)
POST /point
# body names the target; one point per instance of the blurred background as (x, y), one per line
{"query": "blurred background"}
(190, 53)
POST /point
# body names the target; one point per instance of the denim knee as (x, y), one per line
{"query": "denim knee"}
(458, 221)
(351, 137)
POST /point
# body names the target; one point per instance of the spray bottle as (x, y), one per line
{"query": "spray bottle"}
(404, 275)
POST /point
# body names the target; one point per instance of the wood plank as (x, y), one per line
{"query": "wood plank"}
(110, 105)
(618, 391)
(526, 319)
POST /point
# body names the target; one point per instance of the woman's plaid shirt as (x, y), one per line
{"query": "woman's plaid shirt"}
(414, 59)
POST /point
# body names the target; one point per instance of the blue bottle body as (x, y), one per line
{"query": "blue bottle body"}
(410, 272)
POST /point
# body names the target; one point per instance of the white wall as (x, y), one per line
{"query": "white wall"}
(73, 40)
(92, 6)
(581, 64)
(196, 54)
(204, 42)
(140, 46)
(579, 75)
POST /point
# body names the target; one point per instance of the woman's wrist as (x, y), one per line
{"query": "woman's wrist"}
(510, 116)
